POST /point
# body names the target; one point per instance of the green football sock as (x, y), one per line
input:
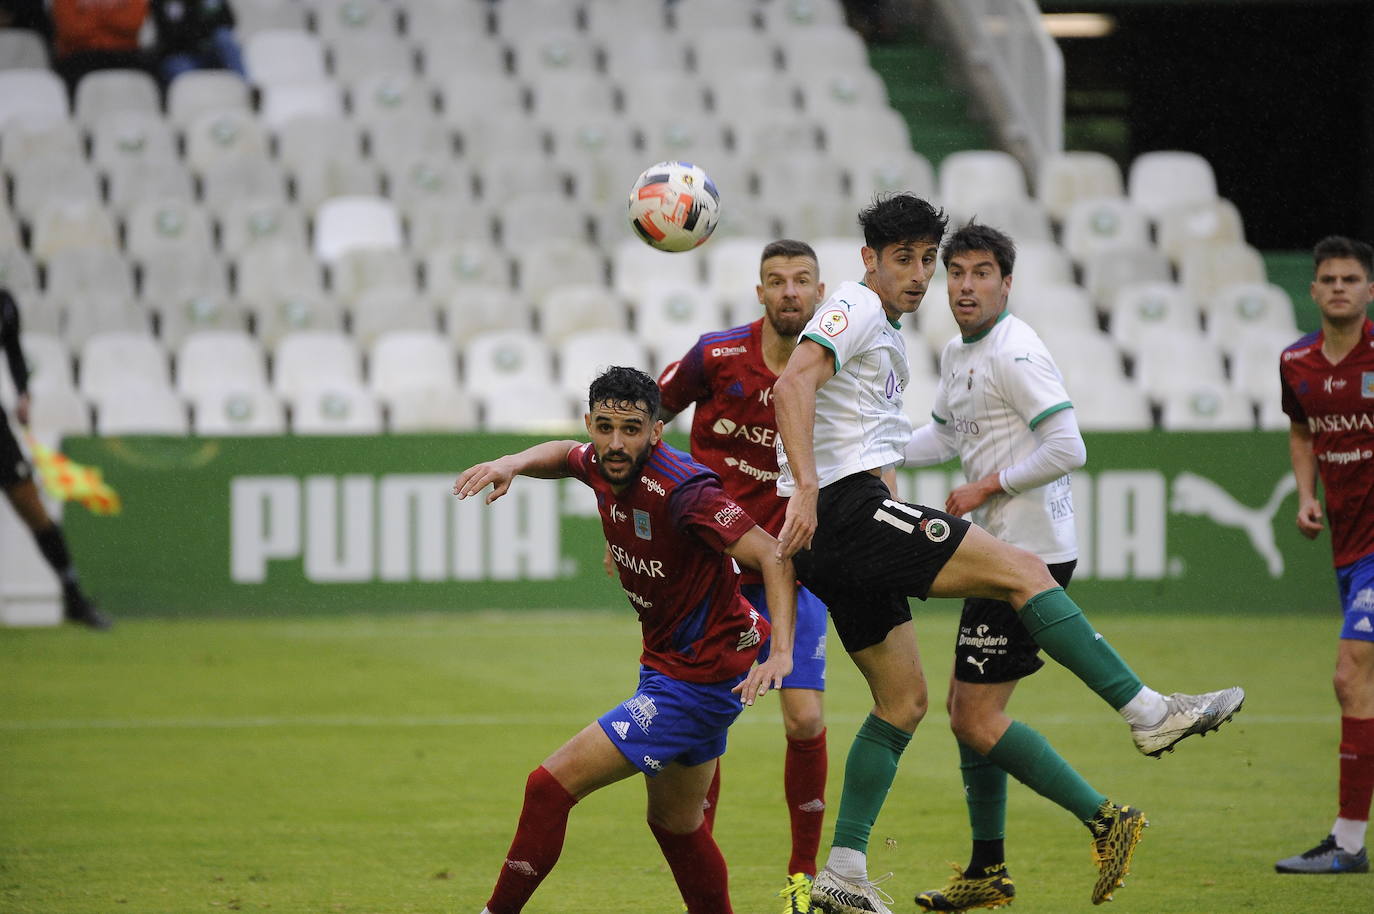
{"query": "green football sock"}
(868, 774)
(1060, 628)
(1028, 757)
(985, 792)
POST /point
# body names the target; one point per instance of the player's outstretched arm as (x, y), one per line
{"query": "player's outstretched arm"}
(794, 406)
(1305, 473)
(758, 550)
(542, 461)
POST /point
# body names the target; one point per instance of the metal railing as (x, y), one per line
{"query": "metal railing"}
(1017, 69)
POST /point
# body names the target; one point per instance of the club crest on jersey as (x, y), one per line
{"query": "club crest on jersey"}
(834, 322)
(935, 529)
(1367, 385)
(642, 528)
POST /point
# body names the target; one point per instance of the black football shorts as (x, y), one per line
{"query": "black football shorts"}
(870, 553)
(992, 644)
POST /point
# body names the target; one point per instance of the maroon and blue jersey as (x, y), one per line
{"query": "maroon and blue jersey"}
(1336, 402)
(667, 533)
(733, 430)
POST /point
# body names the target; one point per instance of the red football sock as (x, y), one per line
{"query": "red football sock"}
(803, 781)
(537, 844)
(698, 868)
(708, 811)
(1357, 767)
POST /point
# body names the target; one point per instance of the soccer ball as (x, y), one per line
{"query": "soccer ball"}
(674, 206)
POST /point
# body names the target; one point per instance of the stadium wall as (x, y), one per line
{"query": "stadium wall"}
(290, 526)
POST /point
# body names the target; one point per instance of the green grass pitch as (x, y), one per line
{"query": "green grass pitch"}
(376, 764)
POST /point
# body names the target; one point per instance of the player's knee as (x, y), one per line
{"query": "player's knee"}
(805, 722)
(906, 712)
(970, 729)
(1346, 683)
(678, 820)
(1030, 576)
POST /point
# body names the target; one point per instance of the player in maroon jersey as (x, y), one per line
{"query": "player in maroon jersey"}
(728, 376)
(16, 480)
(675, 537)
(1328, 393)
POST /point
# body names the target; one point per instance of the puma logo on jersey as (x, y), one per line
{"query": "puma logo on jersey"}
(979, 664)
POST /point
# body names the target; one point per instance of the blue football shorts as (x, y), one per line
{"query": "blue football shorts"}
(668, 720)
(808, 646)
(1356, 584)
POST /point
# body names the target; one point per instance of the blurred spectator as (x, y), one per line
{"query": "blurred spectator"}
(93, 35)
(194, 35)
(26, 14)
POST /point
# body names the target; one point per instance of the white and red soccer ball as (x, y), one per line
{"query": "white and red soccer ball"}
(674, 206)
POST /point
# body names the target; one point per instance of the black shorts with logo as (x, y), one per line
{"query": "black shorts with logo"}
(993, 645)
(870, 553)
(14, 468)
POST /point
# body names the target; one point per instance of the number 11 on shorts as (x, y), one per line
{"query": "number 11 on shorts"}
(889, 518)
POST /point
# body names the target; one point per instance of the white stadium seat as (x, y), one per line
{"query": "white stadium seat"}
(348, 223)
(335, 410)
(311, 359)
(500, 360)
(1067, 177)
(279, 56)
(227, 411)
(29, 92)
(152, 412)
(123, 363)
(216, 360)
(1158, 181)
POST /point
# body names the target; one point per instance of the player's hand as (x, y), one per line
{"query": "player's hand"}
(971, 495)
(608, 562)
(799, 523)
(763, 676)
(1310, 518)
(21, 409)
(495, 473)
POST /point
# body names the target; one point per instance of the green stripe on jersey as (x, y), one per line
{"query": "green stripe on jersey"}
(828, 345)
(1049, 412)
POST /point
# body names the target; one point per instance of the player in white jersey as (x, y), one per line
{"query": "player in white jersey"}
(838, 405)
(1001, 408)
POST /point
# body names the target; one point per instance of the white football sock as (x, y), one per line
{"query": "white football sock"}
(848, 862)
(1146, 710)
(1349, 834)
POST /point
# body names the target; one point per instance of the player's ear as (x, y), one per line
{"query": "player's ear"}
(870, 257)
(656, 433)
(758, 290)
(587, 421)
(820, 291)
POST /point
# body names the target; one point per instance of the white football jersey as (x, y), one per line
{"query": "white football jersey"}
(859, 420)
(994, 389)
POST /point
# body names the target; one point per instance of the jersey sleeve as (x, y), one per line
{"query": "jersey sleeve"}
(1032, 384)
(580, 461)
(701, 508)
(1292, 406)
(845, 328)
(684, 382)
(939, 407)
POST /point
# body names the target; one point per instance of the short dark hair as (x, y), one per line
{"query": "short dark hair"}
(975, 236)
(787, 247)
(1334, 246)
(895, 218)
(624, 387)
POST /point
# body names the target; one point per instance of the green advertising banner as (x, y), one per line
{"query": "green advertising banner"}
(303, 525)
